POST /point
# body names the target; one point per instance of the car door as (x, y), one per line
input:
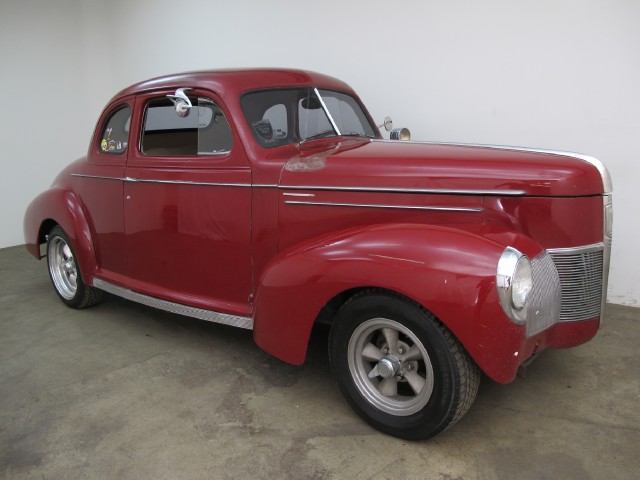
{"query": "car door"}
(100, 188)
(187, 204)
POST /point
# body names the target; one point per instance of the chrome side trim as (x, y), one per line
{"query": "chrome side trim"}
(368, 205)
(441, 191)
(607, 184)
(436, 191)
(288, 194)
(175, 182)
(184, 182)
(99, 177)
(208, 315)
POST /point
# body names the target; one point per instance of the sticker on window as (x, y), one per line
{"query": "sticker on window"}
(264, 129)
(116, 131)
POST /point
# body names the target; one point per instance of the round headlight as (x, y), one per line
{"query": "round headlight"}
(514, 280)
(522, 283)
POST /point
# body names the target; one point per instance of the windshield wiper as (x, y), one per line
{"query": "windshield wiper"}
(355, 134)
(318, 135)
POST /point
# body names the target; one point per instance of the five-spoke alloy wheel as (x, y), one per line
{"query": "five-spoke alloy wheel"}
(399, 367)
(65, 272)
(401, 380)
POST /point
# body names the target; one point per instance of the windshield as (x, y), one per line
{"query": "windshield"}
(284, 116)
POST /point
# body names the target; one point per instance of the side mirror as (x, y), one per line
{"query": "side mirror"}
(387, 124)
(396, 133)
(181, 102)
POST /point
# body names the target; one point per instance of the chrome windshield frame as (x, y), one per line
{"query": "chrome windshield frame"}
(327, 112)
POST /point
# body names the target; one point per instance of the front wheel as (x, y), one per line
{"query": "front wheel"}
(65, 272)
(399, 368)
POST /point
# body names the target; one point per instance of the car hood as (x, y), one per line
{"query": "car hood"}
(379, 165)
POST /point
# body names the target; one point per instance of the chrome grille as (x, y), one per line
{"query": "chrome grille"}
(544, 300)
(581, 281)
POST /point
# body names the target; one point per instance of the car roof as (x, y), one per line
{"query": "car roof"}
(236, 82)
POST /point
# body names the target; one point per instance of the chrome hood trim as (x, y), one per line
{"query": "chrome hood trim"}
(441, 191)
(607, 184)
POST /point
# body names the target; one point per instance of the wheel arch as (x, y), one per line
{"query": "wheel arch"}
(58, 206)
(447, 271)
(333, 305)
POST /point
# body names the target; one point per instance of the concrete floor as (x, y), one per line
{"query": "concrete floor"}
(125, 391)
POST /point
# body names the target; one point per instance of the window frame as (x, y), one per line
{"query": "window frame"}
(105, 122)
(236, 158)
(293, 117)
(193, 94)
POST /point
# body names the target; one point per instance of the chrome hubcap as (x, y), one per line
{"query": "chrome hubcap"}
(386, 368)
(62, 267)
(390, 367)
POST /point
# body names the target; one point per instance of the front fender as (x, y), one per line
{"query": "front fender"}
(60, 206)
(449, 271)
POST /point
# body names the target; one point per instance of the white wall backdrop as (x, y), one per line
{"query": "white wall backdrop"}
(541, 73)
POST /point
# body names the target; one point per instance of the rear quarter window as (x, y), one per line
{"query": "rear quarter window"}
(114, 137)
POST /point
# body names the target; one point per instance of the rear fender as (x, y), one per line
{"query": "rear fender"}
(62, 207)
(449, 271)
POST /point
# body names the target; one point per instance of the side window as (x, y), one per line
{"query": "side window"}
(268, 117)
(115, 133)
(203, 131)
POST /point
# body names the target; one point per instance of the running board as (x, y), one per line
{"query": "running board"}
(199, 313)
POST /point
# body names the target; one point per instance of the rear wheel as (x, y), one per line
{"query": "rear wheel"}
(399, 367)
(65, 272)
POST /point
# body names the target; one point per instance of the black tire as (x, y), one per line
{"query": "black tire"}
(430, 380)
(64, 272)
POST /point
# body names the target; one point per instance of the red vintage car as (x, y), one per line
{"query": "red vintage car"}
(268, 200)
